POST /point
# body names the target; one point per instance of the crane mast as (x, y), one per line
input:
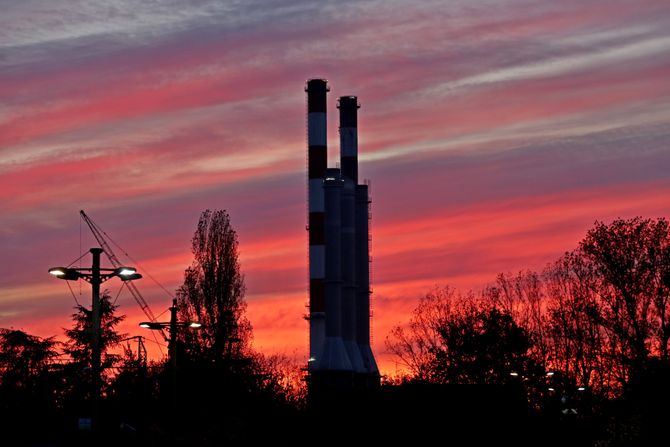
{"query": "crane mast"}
(98, 234)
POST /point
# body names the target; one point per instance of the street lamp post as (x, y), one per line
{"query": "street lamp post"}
(173, 325)
(95, 276)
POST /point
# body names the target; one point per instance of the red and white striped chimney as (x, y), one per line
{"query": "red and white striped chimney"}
(348, 106)
(317, 155)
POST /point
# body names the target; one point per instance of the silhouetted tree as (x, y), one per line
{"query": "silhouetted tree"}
(522, 296)
(28, 387)
(216, 361)
(23, 357)
(481, 345)
(133, 393)
(460, 339)
(283, 377)
(577, 341)
(213, 292)
(416, 343)
(629, 257)
(80, 336)
(78, 372)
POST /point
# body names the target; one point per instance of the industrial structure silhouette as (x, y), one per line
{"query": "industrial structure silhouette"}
(339, 253)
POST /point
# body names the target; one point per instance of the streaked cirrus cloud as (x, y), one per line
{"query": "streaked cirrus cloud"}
(494, 133)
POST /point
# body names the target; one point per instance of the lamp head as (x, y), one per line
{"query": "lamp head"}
(195, 325)
(64, 273)
(125, 271)
(151, 325)
(131, 277)
(57, 271)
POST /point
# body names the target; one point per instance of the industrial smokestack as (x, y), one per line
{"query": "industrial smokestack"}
(339, 298)
(348, 106)
(363, 280)
(334, 355)
(317, 156)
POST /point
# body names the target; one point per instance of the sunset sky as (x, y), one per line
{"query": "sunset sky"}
(494, 134)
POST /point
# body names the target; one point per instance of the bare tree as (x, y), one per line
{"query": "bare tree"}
(659, 258)
(522, 296)
(628, 256)
(415, 344)
(608, 303)
(577, 342)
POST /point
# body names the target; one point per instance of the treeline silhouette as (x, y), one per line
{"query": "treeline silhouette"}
(585, 340)
(575, 354)
(221, 389)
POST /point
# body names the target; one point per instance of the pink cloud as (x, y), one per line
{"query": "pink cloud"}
(467, 182)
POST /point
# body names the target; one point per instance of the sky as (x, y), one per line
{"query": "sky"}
(493, 133)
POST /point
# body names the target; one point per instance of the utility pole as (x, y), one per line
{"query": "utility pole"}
(173, 326)
(95, 276)
(96, 328)
(172, 350)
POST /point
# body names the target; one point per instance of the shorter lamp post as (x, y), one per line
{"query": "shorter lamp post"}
(173, 325)
(95, 276)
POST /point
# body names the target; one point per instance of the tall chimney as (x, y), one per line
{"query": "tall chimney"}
(348, 106)
(363, 280)
(317, 90)
(334, 355)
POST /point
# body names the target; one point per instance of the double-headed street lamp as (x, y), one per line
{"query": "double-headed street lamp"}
(173, 326)
(95, 276)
